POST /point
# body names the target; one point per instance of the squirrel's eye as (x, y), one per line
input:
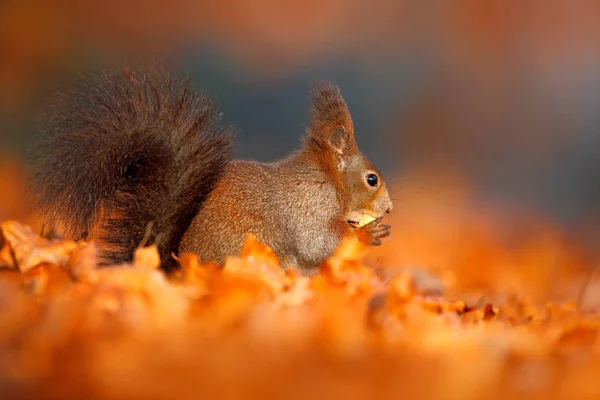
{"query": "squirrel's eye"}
(372, 180)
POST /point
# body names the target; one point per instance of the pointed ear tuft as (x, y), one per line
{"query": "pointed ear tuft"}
(338, 140)
(329, 111)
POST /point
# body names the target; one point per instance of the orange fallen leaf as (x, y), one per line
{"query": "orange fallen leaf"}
(31, 250)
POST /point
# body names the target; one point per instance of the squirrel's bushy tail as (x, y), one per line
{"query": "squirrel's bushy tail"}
(125, 150)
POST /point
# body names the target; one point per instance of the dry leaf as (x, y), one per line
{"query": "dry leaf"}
(31, 250)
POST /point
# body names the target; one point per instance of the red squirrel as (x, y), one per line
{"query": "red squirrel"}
(139, 153)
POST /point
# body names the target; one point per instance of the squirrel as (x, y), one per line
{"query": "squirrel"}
(139, 154)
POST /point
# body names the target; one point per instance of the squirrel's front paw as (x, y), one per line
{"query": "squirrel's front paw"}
(373, 232)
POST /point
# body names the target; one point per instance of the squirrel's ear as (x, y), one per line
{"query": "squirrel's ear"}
(338, 140)
(329, 113)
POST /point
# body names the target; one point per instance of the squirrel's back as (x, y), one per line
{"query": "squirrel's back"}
(126, 156)
(288, 204)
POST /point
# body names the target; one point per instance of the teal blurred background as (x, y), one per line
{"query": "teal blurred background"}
(503, 93)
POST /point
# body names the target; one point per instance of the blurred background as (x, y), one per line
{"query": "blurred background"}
(496, 101)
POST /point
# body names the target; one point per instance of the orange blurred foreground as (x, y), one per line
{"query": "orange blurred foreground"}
(452, 307)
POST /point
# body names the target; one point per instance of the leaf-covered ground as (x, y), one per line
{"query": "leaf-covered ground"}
(451, 307)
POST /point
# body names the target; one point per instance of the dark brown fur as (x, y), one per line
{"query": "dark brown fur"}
(123, 150)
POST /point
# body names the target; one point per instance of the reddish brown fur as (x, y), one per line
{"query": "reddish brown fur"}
(299, 205)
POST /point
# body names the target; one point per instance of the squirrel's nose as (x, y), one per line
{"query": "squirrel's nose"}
(388, 203)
